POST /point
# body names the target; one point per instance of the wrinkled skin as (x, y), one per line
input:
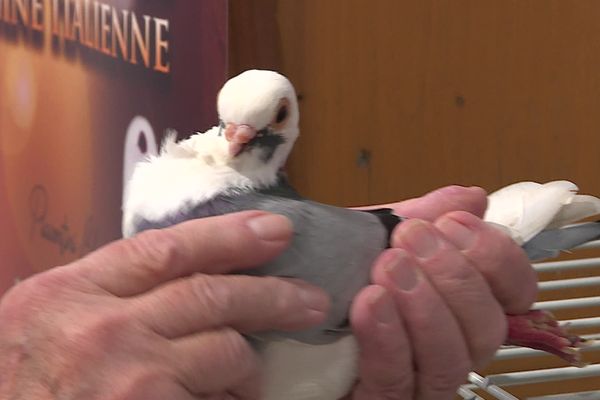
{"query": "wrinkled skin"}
(467, 272)
(153, 317)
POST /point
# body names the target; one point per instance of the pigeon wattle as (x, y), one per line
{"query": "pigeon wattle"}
(237, 166)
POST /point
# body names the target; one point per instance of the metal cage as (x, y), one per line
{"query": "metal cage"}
(581, 287)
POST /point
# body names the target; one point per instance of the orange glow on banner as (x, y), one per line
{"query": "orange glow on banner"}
(118, 33)
(87, 89)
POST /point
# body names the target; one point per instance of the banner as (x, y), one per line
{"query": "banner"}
(87, 89)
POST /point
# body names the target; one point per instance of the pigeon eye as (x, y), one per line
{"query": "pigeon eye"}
(281, 114)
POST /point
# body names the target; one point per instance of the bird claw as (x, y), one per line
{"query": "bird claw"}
(538, 329)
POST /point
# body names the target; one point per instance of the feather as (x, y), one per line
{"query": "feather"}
(236, 165)
(526, 208)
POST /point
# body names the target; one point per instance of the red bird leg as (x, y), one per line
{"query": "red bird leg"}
(538, 329)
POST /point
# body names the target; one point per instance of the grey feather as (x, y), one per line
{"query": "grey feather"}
(549, 243)
(332, 248)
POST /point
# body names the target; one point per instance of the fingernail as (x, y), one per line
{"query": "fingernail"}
(314, 298)
(476, 189)
(402, 271)
(458, 189)
(460, 235)
(382, 306)
(271, 227)
(421, 239)
(453, 189)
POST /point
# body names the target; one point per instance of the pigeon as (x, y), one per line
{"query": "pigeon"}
(237, 165)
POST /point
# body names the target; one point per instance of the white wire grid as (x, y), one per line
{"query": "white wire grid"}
(498, 386)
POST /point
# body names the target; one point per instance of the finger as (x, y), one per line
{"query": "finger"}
(249, 389)
(440, 201)
(199, 361)
(209, 245)
(499, 259)
(148, 388)
(246, 303)
(460, 284)
(440, 354)
(385, 364)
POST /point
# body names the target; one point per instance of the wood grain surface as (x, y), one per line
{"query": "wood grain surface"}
(400, 97)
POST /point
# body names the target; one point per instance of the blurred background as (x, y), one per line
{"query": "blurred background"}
(396, 97)
(399, 97)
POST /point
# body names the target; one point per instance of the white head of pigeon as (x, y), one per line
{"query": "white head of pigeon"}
(259, 116)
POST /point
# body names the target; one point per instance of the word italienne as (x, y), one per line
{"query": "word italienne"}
(117, 33)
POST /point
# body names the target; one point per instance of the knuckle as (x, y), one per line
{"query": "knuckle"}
(153, 251)
(387, 389)
(40, 288)
(238, 246)
(237, 351)
(89, 338)
(17, 301)
(504, 243)
(141, 382)
(465, 217)
(214, 294)
(485, 344)
(455, 274)
(510, 274)
(395, 392)
(501, 261)
(283, 293)
(110, 325)
(449, 379)
(46, 282)
(523, 272)
(463, 276)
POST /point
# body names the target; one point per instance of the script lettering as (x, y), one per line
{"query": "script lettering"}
(61, 235)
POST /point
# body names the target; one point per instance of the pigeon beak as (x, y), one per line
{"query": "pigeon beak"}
(238, 136)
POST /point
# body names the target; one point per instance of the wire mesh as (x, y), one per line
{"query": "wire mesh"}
(498, 386)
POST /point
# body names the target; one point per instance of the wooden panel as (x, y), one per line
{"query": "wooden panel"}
(432, 92)
(254, 39)
(441, 92)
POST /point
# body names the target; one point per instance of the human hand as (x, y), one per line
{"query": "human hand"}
(152, 317)
(436, 308)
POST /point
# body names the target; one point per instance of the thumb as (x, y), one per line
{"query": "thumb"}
(441, 201)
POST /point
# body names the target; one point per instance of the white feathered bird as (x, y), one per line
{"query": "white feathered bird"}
(537, 216)
(237, 166)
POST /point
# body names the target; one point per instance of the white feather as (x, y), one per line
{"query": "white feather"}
(298, 371)
(188, 172)
(580, 207)
(527, 208)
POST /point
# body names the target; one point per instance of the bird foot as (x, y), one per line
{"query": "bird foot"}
(538, 329)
